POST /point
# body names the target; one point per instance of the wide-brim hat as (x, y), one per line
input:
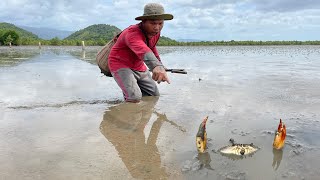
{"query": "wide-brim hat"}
(154, 11)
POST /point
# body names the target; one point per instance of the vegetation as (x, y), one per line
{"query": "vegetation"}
(100, 34)
(19, 36)
(241, 43)
(165, 41)
(97, 34)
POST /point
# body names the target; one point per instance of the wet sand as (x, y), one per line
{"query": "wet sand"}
(61, 119)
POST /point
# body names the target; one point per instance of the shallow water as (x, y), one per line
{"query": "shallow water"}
(61, 119)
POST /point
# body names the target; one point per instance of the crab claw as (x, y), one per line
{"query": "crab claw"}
(201, 137)
(280, 136)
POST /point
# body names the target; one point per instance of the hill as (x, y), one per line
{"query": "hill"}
(165, 41)
(95, 32)
(22, 33)
(48, 33)
(105, 32)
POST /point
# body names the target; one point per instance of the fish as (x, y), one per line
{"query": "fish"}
(239, 149)
(280, 136)
(201, 137)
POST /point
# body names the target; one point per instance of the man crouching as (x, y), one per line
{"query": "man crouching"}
(135, 48)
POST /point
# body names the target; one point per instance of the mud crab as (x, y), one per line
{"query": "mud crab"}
(201, 137)
(280, 136)
(237, 149)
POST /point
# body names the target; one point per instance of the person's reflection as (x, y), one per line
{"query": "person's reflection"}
(123, 125)
(205, 159)
(277, 157)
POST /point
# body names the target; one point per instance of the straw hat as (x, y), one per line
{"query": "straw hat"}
(154, 11)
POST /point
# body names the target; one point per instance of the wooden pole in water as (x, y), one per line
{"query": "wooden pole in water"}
(83, 47)
(39, 45)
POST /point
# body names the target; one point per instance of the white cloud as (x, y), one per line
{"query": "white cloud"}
(285, 5)
(193, 19)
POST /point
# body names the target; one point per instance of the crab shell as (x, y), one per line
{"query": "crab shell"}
(280, 136)
(201, 137)
(239, 149)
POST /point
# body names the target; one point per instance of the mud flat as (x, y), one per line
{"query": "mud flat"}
(61, 119)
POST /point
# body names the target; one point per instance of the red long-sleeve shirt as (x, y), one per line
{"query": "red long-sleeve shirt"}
(130, 49)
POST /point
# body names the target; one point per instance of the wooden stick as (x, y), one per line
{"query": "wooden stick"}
(180, 71)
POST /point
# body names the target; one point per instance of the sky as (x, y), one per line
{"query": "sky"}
(208, 20)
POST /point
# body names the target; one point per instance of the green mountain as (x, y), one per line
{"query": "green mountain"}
(21, 32)
(95, 32)
(165, 41)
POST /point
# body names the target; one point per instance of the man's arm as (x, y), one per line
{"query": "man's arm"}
(155, 52)
(135, 41)
(159, 73)
(151, 60)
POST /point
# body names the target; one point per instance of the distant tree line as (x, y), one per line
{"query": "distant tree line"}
(11, 36)
(235, 43)
(65, 42)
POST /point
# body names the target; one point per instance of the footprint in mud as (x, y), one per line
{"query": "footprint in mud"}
(268, 132)
(200, 161)
(291, 175)
(238, 132)
(209, 144)
(234, 175)
(297, 147)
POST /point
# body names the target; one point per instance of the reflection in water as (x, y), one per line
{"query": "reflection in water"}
(205, 159)
(277, 157)
(83, 54)
(123, 125)
(201, 161)
(87, 55)
(233, 156)
(12, 57)
(236, 157)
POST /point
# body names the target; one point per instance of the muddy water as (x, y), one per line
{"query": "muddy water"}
(60, 119)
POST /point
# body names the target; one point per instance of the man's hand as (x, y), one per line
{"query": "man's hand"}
(159, 74)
